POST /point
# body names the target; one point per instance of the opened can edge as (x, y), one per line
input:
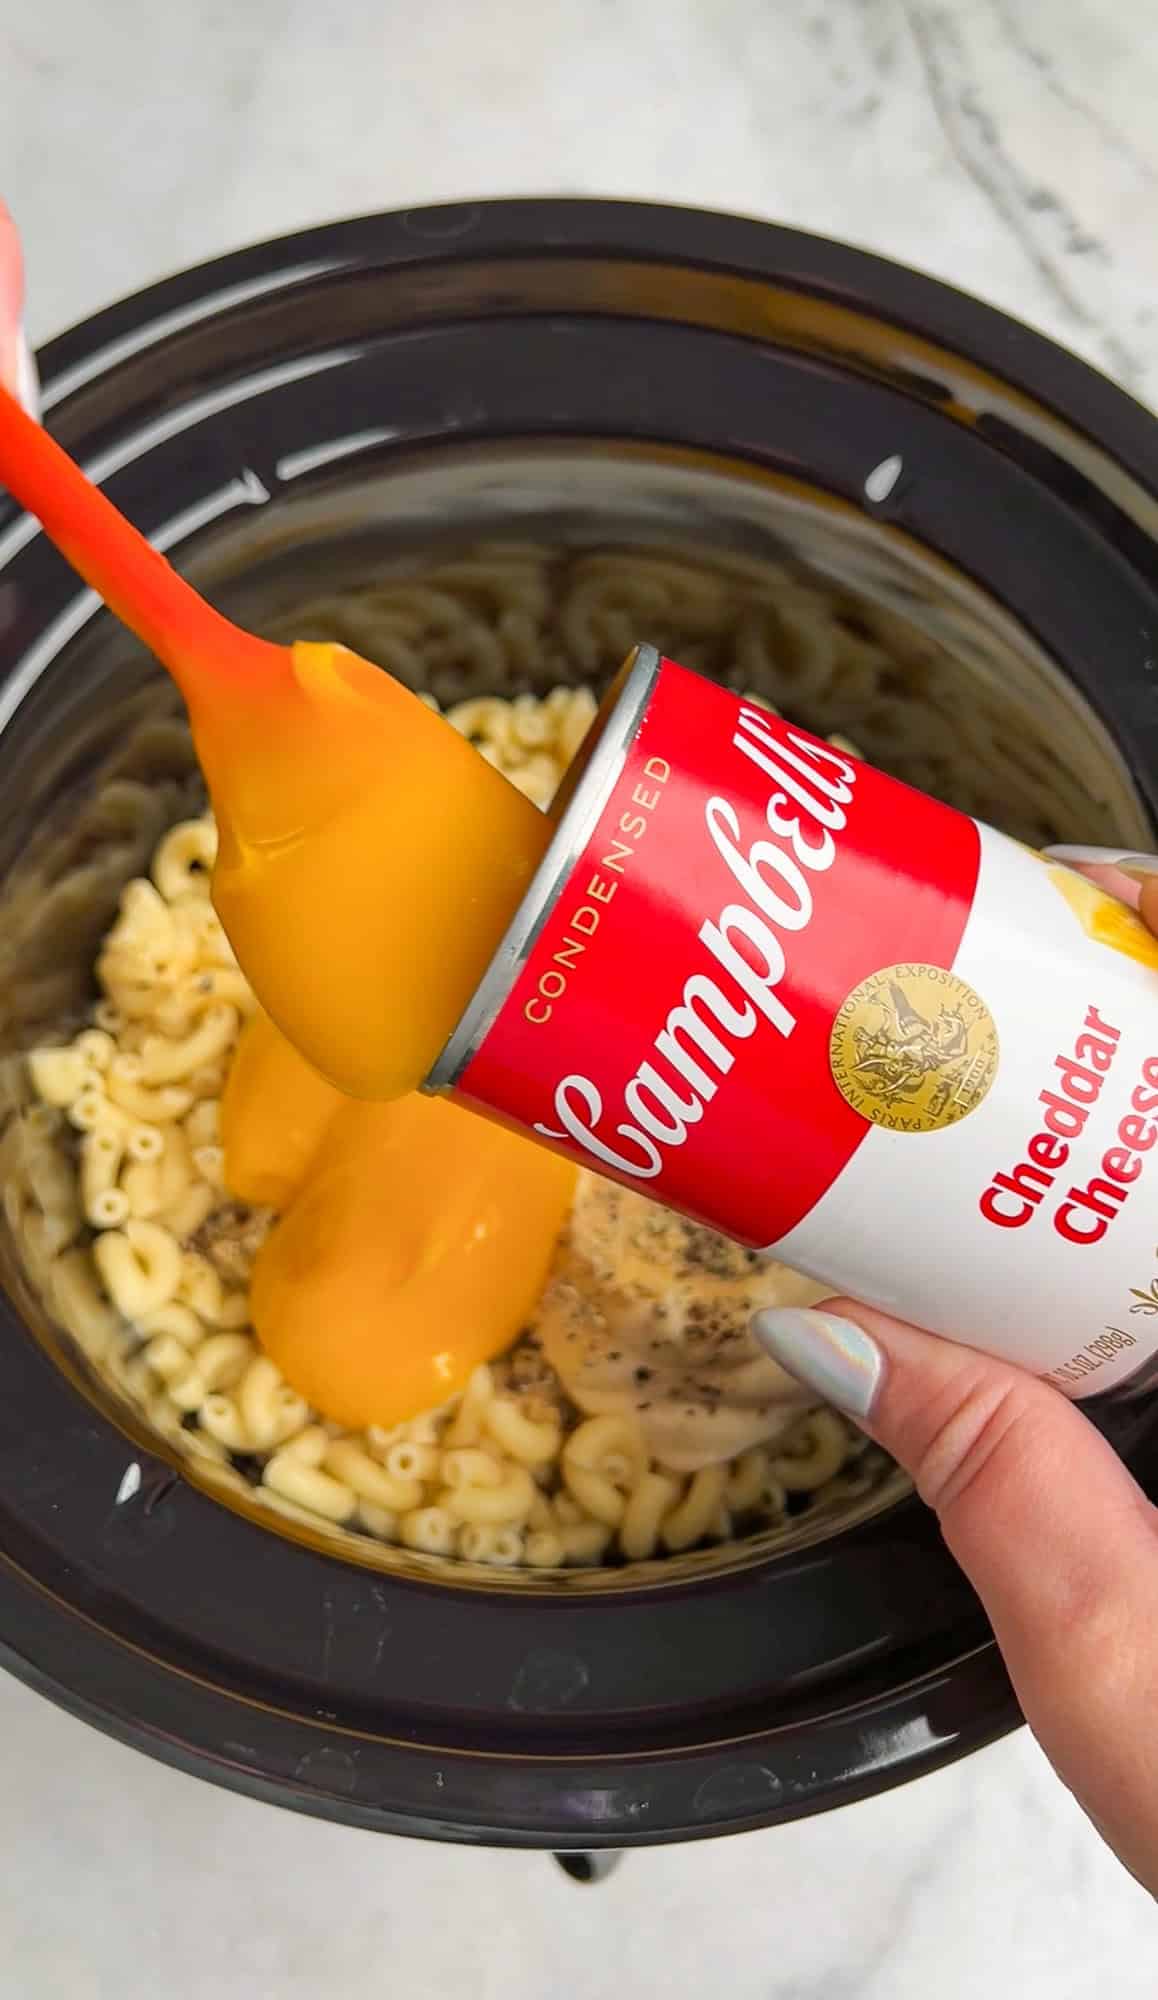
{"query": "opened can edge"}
(613, 731)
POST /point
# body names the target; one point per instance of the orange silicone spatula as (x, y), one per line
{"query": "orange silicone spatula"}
(369, 861)
(135, 581)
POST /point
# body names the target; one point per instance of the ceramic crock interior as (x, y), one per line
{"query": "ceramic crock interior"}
(970, 707)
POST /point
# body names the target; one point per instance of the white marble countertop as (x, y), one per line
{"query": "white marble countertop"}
(1008, 145)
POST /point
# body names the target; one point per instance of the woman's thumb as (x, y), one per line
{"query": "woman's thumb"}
(1047, 1523)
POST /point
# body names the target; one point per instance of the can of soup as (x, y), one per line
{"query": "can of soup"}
(819, 1011)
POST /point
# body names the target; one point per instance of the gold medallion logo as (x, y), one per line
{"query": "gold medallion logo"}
(913, 1048)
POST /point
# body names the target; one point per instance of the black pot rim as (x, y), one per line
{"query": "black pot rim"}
(540, 1790)
(821, 266)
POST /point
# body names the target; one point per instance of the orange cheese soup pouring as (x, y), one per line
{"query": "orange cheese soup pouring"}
(414, 1240)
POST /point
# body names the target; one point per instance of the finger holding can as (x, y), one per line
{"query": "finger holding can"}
(1120, 871)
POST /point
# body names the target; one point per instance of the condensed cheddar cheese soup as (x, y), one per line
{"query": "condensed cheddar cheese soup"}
(396, 1317)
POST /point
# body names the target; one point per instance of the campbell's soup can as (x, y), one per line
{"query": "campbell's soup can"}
(773, 988)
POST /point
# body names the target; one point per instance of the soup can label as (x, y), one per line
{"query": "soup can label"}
(773, 988)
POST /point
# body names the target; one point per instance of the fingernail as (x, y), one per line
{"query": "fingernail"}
(1139, 866)
(826, 1353)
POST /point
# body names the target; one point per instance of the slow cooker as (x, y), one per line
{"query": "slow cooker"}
(301, 417)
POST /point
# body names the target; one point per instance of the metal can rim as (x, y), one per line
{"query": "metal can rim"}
(615, 730)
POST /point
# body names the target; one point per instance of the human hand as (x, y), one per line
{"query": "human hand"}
(1059, 1542)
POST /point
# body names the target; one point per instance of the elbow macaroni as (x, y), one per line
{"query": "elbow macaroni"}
(692, 1517)
(518, 1435)
(184, 859)
(500, 1505)
(484, 1479)
(643, 1516)
(825, 1450)
(140, 1266)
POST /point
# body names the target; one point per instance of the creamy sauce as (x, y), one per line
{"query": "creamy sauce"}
(414, 1241)
(649, 1312)
(369, 863)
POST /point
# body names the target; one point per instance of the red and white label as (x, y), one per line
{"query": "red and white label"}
(673, 1027)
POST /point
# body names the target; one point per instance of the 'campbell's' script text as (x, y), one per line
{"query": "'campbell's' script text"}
(743, 947)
